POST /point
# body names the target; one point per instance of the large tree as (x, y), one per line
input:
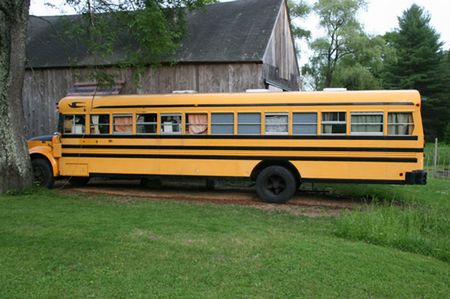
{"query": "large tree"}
(338, 19)
(157, 26)
(298, 10)
(361, 69)
(15, 167)
(418, 63)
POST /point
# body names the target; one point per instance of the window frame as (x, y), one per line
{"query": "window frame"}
(146, 123)
(304, 124)
(180, 125)
(100, 124)
(73, 124)
(232, 124)
(333, 122)
(276, 114)
(186, 124)
(412, 124)
(113, 125)
(377, 113)
(249, 124)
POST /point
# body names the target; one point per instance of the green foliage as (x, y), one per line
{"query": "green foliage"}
(420, 230)
(297, 10)
(355, 77)
(148, 30)
(419, 63)
(410, 218)
(418, 54)
(345, 52)
(56, 244)
(446, 137)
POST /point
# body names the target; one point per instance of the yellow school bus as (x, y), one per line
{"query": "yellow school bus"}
(277, 139)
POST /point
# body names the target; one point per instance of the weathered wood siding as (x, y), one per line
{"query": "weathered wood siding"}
(280, 51)
(43, 88)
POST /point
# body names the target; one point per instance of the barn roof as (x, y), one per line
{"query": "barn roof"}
(237, 31)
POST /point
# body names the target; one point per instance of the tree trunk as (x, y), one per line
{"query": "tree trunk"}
(15, 167)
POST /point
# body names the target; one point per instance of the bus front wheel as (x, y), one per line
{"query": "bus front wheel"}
(42, 173)
(275, 184)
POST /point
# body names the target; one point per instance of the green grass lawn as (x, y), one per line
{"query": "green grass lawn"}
(443, 160)
(58, 245)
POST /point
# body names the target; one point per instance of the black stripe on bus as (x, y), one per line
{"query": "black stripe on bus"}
(259, 105)
(244, 148)
(306, 180)
(353, 181)
(221, 157)
(278, 137)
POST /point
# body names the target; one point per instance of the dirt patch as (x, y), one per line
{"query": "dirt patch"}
(303, 203)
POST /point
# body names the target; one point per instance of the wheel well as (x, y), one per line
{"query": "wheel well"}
(39, 156)
(43, 157)
(284, 163)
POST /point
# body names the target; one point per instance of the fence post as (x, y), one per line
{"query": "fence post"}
(435, 158)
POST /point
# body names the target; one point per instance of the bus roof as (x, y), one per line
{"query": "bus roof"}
(379, 96)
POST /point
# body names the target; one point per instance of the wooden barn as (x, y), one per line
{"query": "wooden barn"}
(228, 47)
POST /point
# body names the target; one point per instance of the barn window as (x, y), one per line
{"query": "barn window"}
(249, 123)
(74, 124)
(99, 124)
(222, 123)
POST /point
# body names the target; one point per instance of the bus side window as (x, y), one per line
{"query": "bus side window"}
(304, 123)
(222, 123)
(74, 124)
(276, 123)
(334, 123)
(366, 123)
(146, 123)
(171, 123)
(196, 123)
(249, 123)
(122, 123)
(99, 124)
(400, 123)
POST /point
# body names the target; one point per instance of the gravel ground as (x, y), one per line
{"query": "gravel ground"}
(305, 203)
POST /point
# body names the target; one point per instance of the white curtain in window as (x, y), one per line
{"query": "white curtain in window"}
(329, 116)
(94, 126)
(276, 124)
(367, 123)
(400, 124)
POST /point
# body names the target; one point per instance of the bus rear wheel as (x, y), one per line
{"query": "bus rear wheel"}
(42, 173)
(275, 184)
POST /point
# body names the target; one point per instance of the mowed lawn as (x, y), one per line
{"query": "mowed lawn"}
(55, 244)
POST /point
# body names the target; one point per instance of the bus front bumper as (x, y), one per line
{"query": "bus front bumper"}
(416, 177)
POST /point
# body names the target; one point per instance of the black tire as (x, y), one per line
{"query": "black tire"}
(79, 181)
(297, 184)
(42, 173)
(275, 184)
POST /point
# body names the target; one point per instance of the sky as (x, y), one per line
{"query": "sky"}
(379, 17)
